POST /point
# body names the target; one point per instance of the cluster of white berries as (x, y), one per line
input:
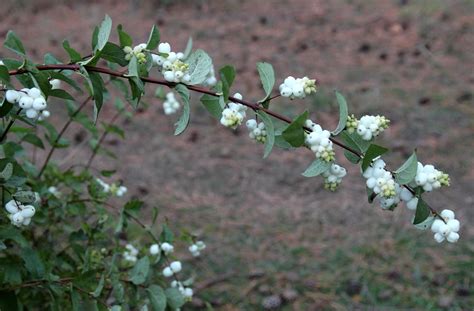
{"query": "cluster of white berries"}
(187, 292)
(197, 248)
(19, 214)
(31, 100)
(318, 141)
(114, 189)
(447, 229)
(333, 176)
(297, 88)
(138, 51)
(171, 104)
(367, 127)
(428, 177)
(166, 247)
(234, 114)
(172, 269)
(171, 65)
(257, 131)
(130, 254)
(381, 182)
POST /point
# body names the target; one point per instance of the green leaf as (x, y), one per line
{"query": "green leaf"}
(188, 49)
(422, 212)
(7, 172)
(212, 105)
(227, 74)
(174, 298)
(51, 59)
(140, 271)
(33, 262)
(18, 177)
(25, 197)
(133, 67)
(104, 33)
(370, 195)
(407, 172)
(98, 91)
(371, 153)
(199, 66)
(157, 298)
(354, 141)
(114, 54)
(426, 224)
(153, 39)
(11, 233)
(99, 287)
(294, 132)
(351, 157)
(124, 38)
(73, 54)
(270, 129)
(14, 44)
(5, 108)
(316, 168)
(183, 121)
(267, 77)
(59, 93)
(4, 75)
(343, 114)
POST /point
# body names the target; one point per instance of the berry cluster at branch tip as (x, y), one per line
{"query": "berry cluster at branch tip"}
(447, 229)
(333, 176)
(20, 214)
(318, 141)
(257, 131)
(114, 189)
(196, 248)
(368, 127)
(171, 64)
(297, 88)
(234, 114)
(171, 104)
(130, 254)
(173, 268)
(138, 51)
(430, 178)
(31, 100)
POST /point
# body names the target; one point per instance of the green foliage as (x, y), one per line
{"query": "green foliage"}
(422, 212)
(294, 132)
(407, 172)
(270, 141)
(13, 43)
(316, 168)
(183, 121)
(153, 39)
(227, 74)
(199, 66)
(372, 152)
(343, 114)
(267, 77)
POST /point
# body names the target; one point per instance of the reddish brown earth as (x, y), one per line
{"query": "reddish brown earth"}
(410, 60)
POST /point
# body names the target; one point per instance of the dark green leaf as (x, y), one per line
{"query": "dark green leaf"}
(316, 168)
(153, 39)
(99, 287)
(354, 141)
(212, 105)
(33, 262)
(343, 114)
(294, 132)
(351, 157)
(157, 298)
(407, 172)
(124, 38)
(422, 212)
(18, 177)
(267, 77)
(269, 128)
(227, 74)
(183, 121)
(372, 152)
(59, 93)
(113, 53)
(73, 54)
(14, 44)
(5, 108)
(4, 75)
(98, 88)
(140, 271)
(174, 298)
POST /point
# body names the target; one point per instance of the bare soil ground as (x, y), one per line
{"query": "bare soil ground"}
(410, 60)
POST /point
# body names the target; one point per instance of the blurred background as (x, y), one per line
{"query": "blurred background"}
(276, 239)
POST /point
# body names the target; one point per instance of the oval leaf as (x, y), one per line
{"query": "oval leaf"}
(316, 168)
(371, 153)
(341, 101)
(183, 121)
(269, 128)
(407, 172)
(267, 77)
